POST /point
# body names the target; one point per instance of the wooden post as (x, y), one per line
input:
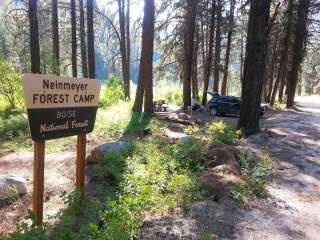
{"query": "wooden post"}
(81, 161)
(38, 181)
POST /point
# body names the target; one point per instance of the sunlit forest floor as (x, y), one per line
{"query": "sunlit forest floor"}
(158, 187)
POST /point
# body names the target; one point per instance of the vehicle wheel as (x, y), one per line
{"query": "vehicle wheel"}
(213, 111)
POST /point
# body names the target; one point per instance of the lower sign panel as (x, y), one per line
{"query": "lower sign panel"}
(51, 123)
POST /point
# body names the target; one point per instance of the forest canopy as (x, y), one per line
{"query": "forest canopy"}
(200, 43)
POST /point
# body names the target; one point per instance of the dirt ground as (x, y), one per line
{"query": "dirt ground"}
(292, 210)
(59, 177)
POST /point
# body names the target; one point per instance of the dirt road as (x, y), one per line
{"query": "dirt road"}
(293, 209)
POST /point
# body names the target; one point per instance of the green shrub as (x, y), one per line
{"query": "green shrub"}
(181, 184)
(10, 85)
(155, 179)
(192, 130)
(278, 106)
(113, 92)
(27, 231)
(150, 176)
(189, 154)
(256, 173)
(112, 167)
(13, 126)
(174, 97)
(224, 133)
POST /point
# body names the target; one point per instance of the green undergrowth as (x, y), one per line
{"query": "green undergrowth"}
(278, 106)
(150, 177)
(223, 133)
(256, 173)
(155, 178)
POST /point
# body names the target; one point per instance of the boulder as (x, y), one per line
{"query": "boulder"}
(12, 186)
(98, 152)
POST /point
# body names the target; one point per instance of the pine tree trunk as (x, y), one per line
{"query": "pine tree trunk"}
(74, 38)
(34, 36)
(270, 79)
(128, 43)
(194, 81)
(297, 58)
(123, 49)
(91, 56)
(284, 53)
(241, 60)
(208, 60)
(55, 38)
(254, 66)
(226, 65)
(83, 46)
(190, 19)
(217, 51)
(270, 68)
(145, 82)
(281, 88)
(148, 93)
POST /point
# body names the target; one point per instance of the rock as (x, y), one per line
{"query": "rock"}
(184, 116)
(147, 131)
(12, 186)
(98, 152)
(186, 138)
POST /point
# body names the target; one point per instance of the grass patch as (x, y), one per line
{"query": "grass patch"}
(169, 91)
(149, 177)
(155, 180)
(112, 92)
(223, 133)
(256, 173)
(14, 125)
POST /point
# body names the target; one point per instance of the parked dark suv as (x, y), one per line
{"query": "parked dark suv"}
(226, 105)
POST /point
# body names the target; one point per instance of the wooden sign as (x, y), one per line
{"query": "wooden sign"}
(60, 106)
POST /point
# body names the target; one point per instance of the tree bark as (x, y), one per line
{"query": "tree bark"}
(297, 58)
(217, 51)
(55, 38)
(254, 66)
(91, 56)
(226, 65)
(145, 82)
(208, 61)
(270, 53)
(128, 43)
(74, 39)
(34, 36)
(194, 77)
(284, 53)
(83, 46)
(123, 49)
(270, 79)
(190, 19)
(241, 60)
